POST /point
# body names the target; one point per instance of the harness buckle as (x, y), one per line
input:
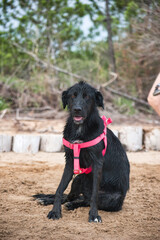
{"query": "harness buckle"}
(77, 171)
(70, 145)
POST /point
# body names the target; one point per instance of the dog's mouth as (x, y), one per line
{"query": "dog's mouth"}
(78, 119)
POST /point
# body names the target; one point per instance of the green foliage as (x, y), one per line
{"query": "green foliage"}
(131, 11)
(3, 104)
(21, 85)
(125, 105)
(51, 30)
(89, 61)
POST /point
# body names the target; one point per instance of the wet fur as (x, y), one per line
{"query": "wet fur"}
(106, 186)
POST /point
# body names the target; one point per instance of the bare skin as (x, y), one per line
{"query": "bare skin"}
(154, 100)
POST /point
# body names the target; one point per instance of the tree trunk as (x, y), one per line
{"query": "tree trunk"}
(110, 42)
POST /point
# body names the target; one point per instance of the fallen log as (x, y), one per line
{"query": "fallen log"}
(105, 85)
(127, 96)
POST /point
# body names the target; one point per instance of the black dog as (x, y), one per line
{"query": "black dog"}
(106, 186)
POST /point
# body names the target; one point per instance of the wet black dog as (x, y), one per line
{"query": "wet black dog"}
(106, 186)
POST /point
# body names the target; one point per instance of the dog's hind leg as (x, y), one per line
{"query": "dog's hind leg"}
(80, 193)
(48, 199)
(77, 203)
(110, 202)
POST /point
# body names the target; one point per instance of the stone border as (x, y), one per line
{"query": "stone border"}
(133, 139)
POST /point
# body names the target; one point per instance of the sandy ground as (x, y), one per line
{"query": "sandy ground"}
(21, 217)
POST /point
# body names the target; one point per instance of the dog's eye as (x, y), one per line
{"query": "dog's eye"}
(74, 95)
(85, 96)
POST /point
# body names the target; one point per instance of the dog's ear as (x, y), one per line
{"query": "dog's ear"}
(65, 99)
(99, 99)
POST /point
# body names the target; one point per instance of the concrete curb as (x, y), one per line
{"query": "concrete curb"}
(5, 143)
(26, 143)
(152, 140)
(51, 143)
(133, 138)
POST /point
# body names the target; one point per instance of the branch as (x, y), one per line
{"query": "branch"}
(14, 73)
(115, 76)
(105, 85)
(3, 113)
(45, 64)
(127, 96)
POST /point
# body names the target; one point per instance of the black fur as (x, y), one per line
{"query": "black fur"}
(106, 186)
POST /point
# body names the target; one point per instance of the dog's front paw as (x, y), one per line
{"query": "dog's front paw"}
(95, 219)
(54, 215)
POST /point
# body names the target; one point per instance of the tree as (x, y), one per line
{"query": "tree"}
(47, 28)
(110, 41)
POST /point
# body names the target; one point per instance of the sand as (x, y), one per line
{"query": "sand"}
(21, 217)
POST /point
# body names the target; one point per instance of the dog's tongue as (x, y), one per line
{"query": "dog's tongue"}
(77, 118)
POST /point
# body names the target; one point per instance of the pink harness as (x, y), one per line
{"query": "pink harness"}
(77, 147)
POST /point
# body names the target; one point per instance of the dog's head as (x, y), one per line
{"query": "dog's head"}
(81, 100)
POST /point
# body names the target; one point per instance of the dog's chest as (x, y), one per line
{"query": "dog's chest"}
(79, 133)
(85, 158)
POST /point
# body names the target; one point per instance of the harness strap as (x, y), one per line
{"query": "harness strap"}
(76, 147)
(106, 122)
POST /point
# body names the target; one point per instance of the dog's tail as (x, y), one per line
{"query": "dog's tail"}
(47, 199)
(110, 202)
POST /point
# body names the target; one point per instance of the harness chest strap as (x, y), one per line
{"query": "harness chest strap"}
(76, 147)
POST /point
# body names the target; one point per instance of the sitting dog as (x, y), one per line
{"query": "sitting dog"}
(94, 153)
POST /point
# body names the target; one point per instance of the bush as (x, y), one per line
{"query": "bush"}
(3, 104)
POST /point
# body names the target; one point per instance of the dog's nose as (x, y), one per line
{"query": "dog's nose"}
(77, 109)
